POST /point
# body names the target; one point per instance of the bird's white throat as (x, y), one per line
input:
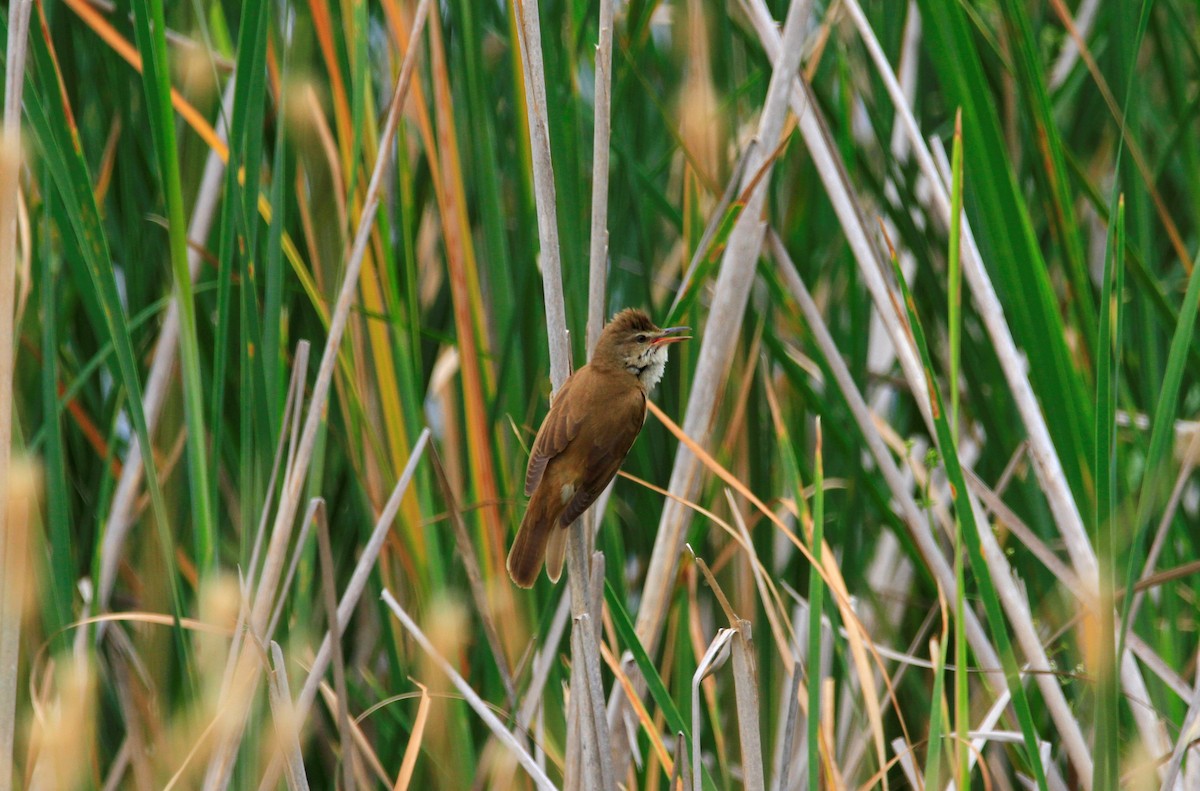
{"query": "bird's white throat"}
(648, 365)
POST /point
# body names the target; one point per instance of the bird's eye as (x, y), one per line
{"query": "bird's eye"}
(641, 339)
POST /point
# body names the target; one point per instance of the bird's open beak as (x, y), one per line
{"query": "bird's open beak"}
(669, 336)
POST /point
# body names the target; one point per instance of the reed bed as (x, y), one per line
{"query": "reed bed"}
(285, 289)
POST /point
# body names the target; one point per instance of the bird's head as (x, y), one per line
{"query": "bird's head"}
(632, 342)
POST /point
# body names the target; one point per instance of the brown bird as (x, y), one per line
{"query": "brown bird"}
(592, 423)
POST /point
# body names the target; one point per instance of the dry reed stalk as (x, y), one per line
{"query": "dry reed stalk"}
(745, 681)
(329, 600)
(529, 38)
(786, 735)
(287, 725)
(598, 249)
(586, 691)
(11, 597)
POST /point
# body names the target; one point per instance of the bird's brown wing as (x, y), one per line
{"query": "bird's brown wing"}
(627, 412)
(558, 429)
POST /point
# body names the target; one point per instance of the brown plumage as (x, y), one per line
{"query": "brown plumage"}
(594, 419)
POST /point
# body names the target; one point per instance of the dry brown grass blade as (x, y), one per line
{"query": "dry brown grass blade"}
(413, 750)
(329, 600)
(322, 22)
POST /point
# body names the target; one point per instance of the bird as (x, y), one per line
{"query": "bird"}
(593, 420)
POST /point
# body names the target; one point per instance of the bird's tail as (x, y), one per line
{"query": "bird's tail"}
(537, 529)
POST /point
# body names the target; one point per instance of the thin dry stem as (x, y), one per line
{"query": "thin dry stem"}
(329, 600)
(530, 39)
(598, 251)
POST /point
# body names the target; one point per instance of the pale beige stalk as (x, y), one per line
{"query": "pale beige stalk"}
(585, 674)
(11, 600)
